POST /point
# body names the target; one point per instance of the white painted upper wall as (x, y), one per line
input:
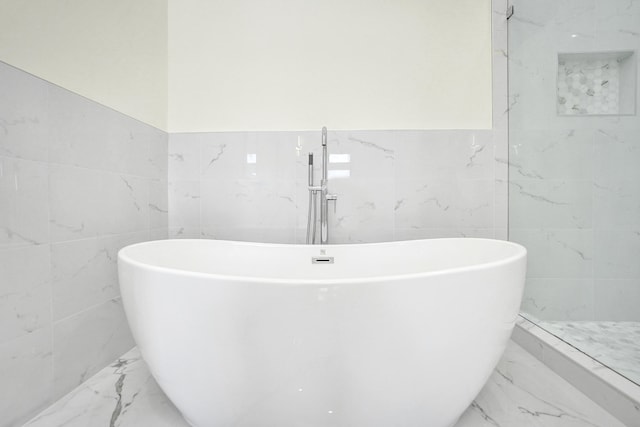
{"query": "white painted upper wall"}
(113, 52)
(218, 65)
(346, 64)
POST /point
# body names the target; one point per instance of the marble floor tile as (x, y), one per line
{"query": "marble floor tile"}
(614, 344)
(522, 392)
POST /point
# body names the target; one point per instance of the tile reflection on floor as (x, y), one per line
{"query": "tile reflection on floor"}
(522, 392)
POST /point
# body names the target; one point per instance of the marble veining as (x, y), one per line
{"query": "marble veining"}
(78, 181)
(574, 197)
(396, 184)
(614, 344)
(589, 84)
(522, 392)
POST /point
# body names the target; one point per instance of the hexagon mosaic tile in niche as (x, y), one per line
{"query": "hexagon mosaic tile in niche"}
(596, 83)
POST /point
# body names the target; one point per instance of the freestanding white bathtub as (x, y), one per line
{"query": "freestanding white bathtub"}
(389, 334)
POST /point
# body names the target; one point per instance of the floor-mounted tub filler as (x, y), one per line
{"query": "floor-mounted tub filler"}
(271, 335)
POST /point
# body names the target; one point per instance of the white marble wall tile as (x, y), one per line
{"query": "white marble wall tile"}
(24, 118)
(24, 211)
(25, 290)
(251, 203)
(371, 154)
(557, 253)
(247, 233)
(616, 155)
(240, 171)
(184, 205)
(84, 133)
(474, 206)
(184, 233)
(501, 209)
(85, 272)
(157, 167)
(425, 204)
(444, 203)
(79, 210)
(251, 155)
(551, 204)
(26, 370)
(159, 234)
(184, 156)
(364, 211)
(158, 204)
(474, 155)
(434, 154)
(440, 233)
(617, 300)
(616, 254)
(86, 342)
(616, 205)
(549, 298)
(551, 154)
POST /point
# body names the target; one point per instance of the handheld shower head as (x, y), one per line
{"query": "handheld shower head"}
(324, 136)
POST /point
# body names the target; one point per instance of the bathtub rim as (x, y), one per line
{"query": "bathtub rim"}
(521, 253)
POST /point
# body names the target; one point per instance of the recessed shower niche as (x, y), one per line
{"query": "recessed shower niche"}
(596, 83)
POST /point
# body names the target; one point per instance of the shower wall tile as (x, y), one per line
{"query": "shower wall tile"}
(77, 182)
(501, 208)
(617, 300)
(80, 343)
(25, 291)
(24, 116)
(557, 253)
(551, 204)
(551, 155)
(26, 369)
(571, 299)
(616, 155)
(616, 205)
(577, 176)
(24, 211)
(616, 254)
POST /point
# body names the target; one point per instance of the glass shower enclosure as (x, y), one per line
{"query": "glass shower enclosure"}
(574, 171)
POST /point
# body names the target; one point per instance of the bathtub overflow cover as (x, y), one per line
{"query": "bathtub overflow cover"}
(322, 260)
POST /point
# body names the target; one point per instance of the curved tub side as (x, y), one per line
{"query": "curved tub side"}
(401, 353)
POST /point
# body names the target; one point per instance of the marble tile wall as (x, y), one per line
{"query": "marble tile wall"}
(391, 185)
(78, 181)
(574, 180)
